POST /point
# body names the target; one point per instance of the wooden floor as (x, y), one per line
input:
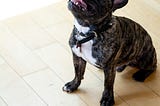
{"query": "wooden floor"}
(35, 60)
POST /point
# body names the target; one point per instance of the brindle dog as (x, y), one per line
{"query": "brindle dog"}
(108, 42)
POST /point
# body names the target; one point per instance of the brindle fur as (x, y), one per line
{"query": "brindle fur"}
(123, 44)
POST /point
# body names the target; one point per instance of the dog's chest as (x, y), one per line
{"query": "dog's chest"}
(85, 51)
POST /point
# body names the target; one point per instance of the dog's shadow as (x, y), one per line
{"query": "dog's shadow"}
(129, 71)
(136, 97)
(136, 91)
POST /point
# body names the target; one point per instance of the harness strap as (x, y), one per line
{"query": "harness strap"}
(90, 36)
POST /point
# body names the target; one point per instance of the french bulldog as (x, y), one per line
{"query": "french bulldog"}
(108, 42)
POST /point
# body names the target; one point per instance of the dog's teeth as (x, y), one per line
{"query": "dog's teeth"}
(76, 3)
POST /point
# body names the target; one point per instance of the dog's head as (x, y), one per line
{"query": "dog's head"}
(93, 11)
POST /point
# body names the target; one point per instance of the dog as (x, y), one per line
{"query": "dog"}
(108, 42)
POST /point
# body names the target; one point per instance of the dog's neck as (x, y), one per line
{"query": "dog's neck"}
(85, 34)
(99, 27)
(80, 28)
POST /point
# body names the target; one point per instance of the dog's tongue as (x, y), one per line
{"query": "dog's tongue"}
(80, 2)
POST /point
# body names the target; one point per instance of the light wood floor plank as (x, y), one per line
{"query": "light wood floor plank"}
(49, 86)
(15, 91)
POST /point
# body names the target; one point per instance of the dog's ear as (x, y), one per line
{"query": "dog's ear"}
(119, 4)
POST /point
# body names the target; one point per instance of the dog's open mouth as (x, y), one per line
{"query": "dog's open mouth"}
(80, 3)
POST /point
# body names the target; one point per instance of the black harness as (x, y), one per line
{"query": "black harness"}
(94, 31)
(88, 36)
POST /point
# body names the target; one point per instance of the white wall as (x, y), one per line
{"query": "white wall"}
(10, 8)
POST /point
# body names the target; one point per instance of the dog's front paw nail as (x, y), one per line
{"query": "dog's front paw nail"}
(66, 89)
(70, 86)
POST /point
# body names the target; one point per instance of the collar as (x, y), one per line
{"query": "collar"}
(92, 33)
(87, 37)
(83, 37)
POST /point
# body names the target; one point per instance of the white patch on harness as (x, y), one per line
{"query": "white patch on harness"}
(86, 48)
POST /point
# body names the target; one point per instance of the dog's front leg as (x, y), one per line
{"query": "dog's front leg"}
(108, 95)
(79, 65)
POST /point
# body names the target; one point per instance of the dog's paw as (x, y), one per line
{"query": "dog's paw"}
(141, 75)
(107, 102)
(71, 86)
